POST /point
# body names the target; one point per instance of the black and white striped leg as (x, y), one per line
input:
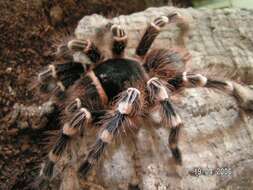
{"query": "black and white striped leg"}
(79, 120)
(127, 107)
(57, 77)
(189, 80)
(243, 94)
(184, 25)
(150, 34)
(59, 70)
(119, 40)
(96, 115)
(88, 48)
(155, 27)
(159, 94)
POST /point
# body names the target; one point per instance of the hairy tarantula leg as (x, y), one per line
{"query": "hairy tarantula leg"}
(183, 23)
(128, 106)
(119, 40)
(154, 29)
(70, 129)
(173, 142)
(75, 105)
(159, 92)
(243, 94)
(87, 47)
(57, 77)
(151, 33)
(58, 71)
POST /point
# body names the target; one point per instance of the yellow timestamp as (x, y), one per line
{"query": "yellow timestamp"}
(222, 171)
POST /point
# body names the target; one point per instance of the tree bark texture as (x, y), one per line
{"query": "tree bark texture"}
(217, 135)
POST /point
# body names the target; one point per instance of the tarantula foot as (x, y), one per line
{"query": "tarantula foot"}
(177, 156)
(160, 22)
(244, 95)
(48, 169)
(175, 17)
(84, 169)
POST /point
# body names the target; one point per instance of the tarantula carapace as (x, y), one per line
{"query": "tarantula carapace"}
(112, 93)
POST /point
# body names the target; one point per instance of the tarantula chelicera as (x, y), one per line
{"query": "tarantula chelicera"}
(112, 93)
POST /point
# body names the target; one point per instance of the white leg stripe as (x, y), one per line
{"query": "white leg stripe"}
(229, 87)
(52, 157)
(151, 80)
(84, 45)
(176, 121)
(133, 89)
(203, 80)
(70, 44)
(87, 113)
(52, 68)
(185, 77)
(62, 87)
(67, 130)
(118, 39)
(88, 46)
(78, 102)
(165, 19)
(106, 136)
(125, 108)
(155, 26)
(163, 92)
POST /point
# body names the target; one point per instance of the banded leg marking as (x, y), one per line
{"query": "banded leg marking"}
(159, 92)
(150, 34)
(78, 121)
(189, 80)
(56, 78)
(127, 107)
(87, 47)
(119, 40)
(173, 141)
(243, 94)
(154, 29)
(59, 70)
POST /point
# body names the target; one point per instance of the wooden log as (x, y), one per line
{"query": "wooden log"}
(216, 140)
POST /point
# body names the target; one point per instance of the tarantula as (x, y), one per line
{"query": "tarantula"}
(112, 93)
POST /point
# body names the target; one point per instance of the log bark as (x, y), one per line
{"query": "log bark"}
(217, 135)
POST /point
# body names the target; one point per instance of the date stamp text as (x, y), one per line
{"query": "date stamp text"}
(223, 171)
